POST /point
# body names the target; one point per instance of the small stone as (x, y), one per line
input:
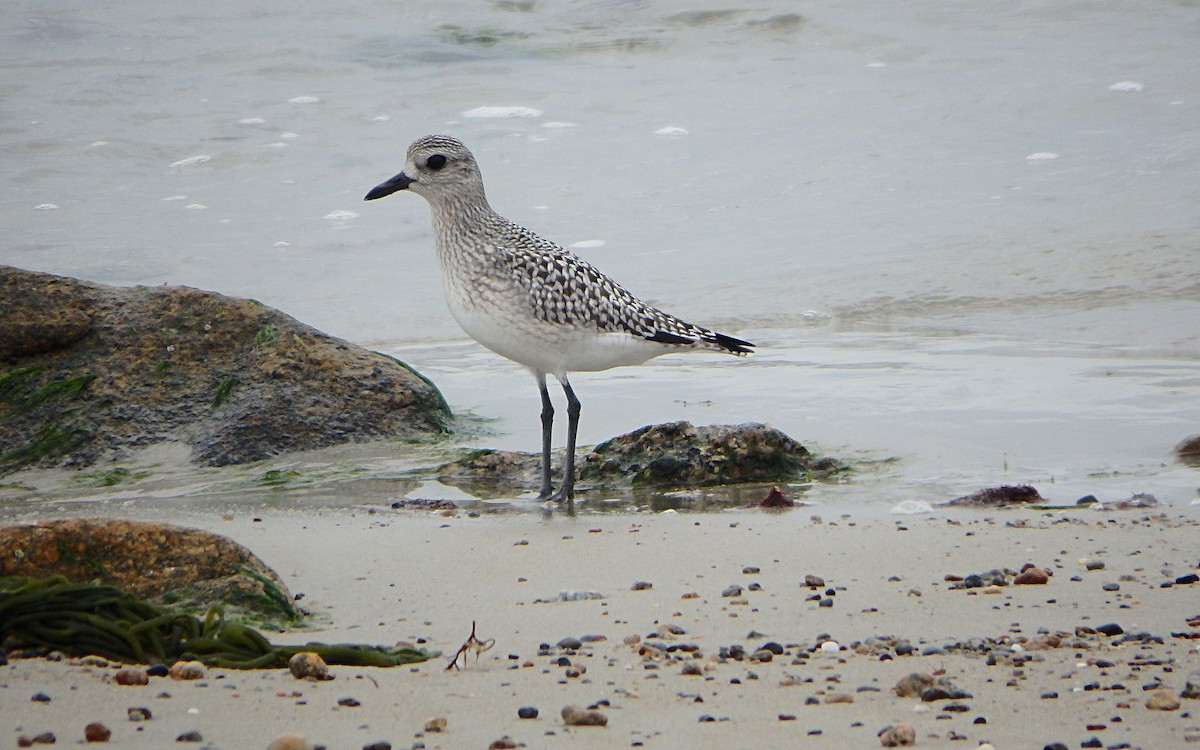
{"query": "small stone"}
(45, 738)
(776, 499)
(826, 602)
(641, 585)
(527, 712)
(813, 581)
(1094, 565)
(914, 684)
(1111, 587)
(192, 736)
(1163, 700)
(381, 745)
(1110, 629)
(96, 732)
(1093, 742)
(186, 670)
(436, 724)
(577, 717)
(1055, 746)
(1032, 576)
(290, 742)
(1187, 579)
(504, 743)
(40, 698)
(751, 570)
(308, 665)
(131, 677)
(138, 714)
(570, 644)
(691, 669)
(349, 702)
(158, 670)
(730, 591)
(900, 735)
(839, 698)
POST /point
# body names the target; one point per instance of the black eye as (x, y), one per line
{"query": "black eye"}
(435, 162)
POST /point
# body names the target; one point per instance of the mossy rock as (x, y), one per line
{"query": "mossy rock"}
(186, 568)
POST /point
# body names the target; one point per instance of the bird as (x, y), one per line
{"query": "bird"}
(530, 300)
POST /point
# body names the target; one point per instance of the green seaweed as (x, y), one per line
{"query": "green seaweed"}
(224, 388)
(111, 477)
(435, 404)
(17, 388)
(266, 336)
(49, 442)
(79, 619)
(278, 477)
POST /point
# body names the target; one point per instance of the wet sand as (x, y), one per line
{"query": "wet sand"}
(389, 576)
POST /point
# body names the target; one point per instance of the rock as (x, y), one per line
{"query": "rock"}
(999, 497)
(1031, 576)
(45, 738)
(504, 743)
(290, 742)
(1188, 450)
(899, 735)
(839, 698)
(813, 581)
(1191, 689)
(914, 684)
(436, 724)
(127, 676)
(776, 499)
(170, 565)
(527, 712)
(96, 732)
(138, 714)
(380, 745)
(570, 643)
(578, 717)
(191, 736)
(731, 591)
(349, 702)
(308, 665)
(99, 370)
(186, 670)
(1110, 629)
(1163, 700)
(641, 586)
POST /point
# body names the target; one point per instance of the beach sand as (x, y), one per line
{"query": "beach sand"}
(385, 576)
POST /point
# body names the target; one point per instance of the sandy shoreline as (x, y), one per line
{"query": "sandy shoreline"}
(389, 576)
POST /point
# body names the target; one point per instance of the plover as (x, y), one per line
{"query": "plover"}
(528, 299)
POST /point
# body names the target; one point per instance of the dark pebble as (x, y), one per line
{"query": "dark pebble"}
(934, 694)
(706, 718)
(381, 745)
(1111, 587)
(1055, 746)
(192, 736)
(933, 651)
(642, 585)
(973, 581)
(957, 708)
(1095, 565)
(826, 602)
(980, 720)
(527, 712)
(1093, 742)
(734, 590)
(349, 702)
(812, 700)
(1110, 629)
(773, 647)
(904, 649)
(762, 655)
(40, 698)
(1052, 695)
(1189, 578)
(750, 570)
(563, 661)
(1105, 664)
(570, 643)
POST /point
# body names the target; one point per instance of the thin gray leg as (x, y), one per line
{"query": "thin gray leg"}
(547, 430)
(567, 491)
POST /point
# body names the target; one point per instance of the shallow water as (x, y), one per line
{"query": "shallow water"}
(965, 237)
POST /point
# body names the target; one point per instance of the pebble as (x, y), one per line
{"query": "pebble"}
(381, 745)
(349, 702)
(900, 735)
(504, 743)
(1055, 746)
(734, 590)
(138, 714)
(1110, 629)
(578, 717)
(96, 732)
(436, 724)
(290, 742)
(308, 665)
(839, 698)
(45, 738)
(641, 585)
(186, 670)
(813, 581)
(1111, 587)
(1031, 576)
(40, 698)
(914, 684)
(1163, 700)
(527, 712)
(131, 677)
(192, 736)
(570, 644)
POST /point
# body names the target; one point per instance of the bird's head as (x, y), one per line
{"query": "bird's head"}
(437, 167)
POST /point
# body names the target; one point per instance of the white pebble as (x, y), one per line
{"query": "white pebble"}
(830, 647)
(1126, 86)
(200, 159)
(341, 215)
(489, 112)
(671, 130)
(281, 243)
(303, 100)
(1041, 156)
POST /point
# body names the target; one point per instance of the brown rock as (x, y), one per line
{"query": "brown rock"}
(814, 582)
(129, 676)
(308, 665)
(149, 560)
(575, 716)
(1031, 576)
(290, 742)
(436, 724)
(96, 732)
(776, 499)
(98, 370)
(914, 684)
(1163, 700)
(900, 735)
(839, 698)
(993, 497)
(504, 743)
(186, 670)
(1188, 450)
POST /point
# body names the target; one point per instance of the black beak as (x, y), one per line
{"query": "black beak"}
(399, 182)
